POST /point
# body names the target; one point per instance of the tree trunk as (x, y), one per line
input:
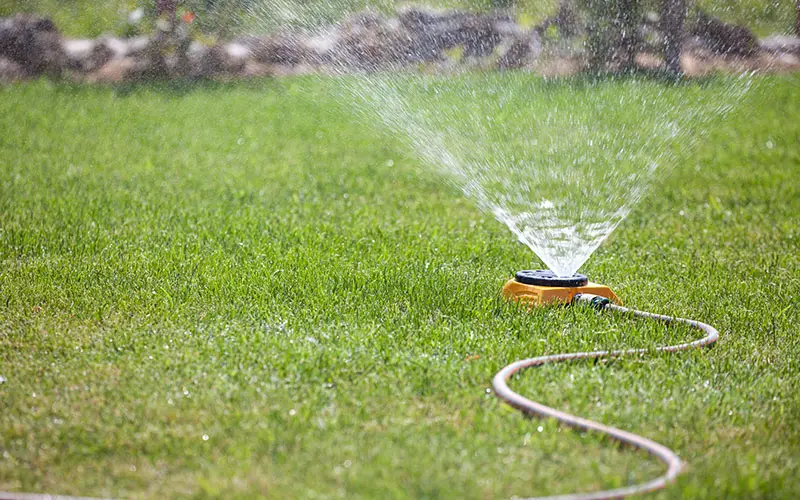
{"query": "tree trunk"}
(673, 14)
(797, 20)
(628, 18)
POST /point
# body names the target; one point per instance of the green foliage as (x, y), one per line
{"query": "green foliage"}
(612, 32)
(80, 18)
(762, 16)
(89, 18)
(239, 291)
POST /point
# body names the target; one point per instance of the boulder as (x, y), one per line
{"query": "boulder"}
(433, 31)
(367, 41)
(519, 50)
(322, 46)
(418, 19)
(436, 31)
(86, 55)
(724, 38)
(781, 44)
(285, 49)
(481, 34)
(11, 71)
(116, 71)
(566, 20)
(33, 43)
(124, 47)
(228, 59)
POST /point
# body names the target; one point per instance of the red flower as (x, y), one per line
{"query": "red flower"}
(188, 17)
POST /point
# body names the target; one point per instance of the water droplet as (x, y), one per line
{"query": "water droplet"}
(598, 172)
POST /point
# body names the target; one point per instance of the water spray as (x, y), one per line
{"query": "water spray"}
(539, 288)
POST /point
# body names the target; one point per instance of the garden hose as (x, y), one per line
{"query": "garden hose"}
(673, 463)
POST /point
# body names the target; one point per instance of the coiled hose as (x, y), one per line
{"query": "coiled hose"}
(673, 463)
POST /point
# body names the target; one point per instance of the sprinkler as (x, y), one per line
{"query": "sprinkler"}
(540, 288)
(545, 287)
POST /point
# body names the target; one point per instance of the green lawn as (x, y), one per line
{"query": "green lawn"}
(231, 290)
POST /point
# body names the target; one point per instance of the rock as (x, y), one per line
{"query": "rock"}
(781, 44)
(164, 55)
(33, 42)
(432, 32)
(480, 35)
(116, 71)
(724, 38)
(229, 59)
(124, 47)
(566, 20)
(136, 46)
(195, 55)
(436, 31)
(322, 46)
(284, 48)
(367, 41)
(519, 50)
(237, 52)
(11, 71)
(417, 18)
(86, 55)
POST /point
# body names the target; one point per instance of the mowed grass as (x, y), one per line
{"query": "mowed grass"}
(240, 290)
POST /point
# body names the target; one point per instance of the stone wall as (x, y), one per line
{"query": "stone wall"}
(31, 46)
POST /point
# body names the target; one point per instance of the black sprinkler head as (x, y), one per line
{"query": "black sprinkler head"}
(549, 278)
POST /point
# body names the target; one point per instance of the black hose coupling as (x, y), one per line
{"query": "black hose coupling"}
(592, 300)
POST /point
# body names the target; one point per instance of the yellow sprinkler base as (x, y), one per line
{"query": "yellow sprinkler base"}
(529, 289)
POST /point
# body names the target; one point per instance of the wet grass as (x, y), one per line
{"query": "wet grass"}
(238, 290)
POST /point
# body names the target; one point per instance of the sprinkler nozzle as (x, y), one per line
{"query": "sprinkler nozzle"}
(540, 287)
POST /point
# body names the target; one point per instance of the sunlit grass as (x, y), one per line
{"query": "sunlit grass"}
(230, 290)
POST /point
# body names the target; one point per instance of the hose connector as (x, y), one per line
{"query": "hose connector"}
(592, 300)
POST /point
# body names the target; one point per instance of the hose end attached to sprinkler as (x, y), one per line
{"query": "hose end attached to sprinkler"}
(596, 301)
(536, 288)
